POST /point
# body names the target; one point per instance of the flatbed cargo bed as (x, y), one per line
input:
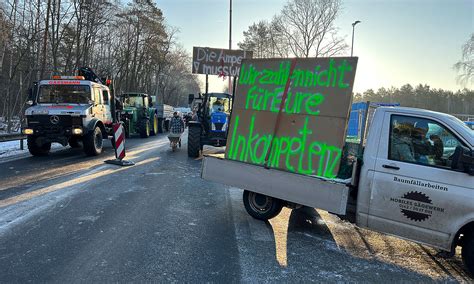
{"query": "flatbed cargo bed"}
(327, 194)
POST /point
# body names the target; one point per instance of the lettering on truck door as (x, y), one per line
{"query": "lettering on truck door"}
(415, 194)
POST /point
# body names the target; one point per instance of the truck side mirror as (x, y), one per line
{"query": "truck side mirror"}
(31, 97)
(463, 160)
(190, 98)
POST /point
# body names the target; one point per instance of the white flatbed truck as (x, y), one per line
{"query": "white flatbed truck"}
(428, 201)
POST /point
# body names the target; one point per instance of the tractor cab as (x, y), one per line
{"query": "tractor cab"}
(138, 115)
(210, 126)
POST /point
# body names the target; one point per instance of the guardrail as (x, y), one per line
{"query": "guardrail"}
(12, 137)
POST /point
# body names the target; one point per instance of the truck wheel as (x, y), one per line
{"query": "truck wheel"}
(160, 125)
(74, 142)
(468, 252)
(93, 142)
(260, 206)
(35, 149)
(194, 141)
(154, 129)
(145, 128)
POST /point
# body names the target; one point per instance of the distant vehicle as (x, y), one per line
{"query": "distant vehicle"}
(69, 110)
(138, 115)
(183, 110)
(165, 113)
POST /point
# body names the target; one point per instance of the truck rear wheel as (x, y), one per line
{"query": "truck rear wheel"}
(468, 252)
(194, 141)
(93, 142)
(144, 128)
(154, 128)
(260, 206)
(36, 149)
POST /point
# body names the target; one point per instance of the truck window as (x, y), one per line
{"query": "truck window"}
(97, 96)
(421, 141)
(105, 96)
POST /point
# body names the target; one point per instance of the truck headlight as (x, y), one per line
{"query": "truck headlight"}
(77, 131)
(28, 131)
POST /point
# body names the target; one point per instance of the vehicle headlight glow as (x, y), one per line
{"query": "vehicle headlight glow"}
(28, 131)
(77, 131)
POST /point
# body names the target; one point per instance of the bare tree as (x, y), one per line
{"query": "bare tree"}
(466, 65)
(308, 27)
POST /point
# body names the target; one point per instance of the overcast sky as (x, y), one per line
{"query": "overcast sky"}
(398, 41)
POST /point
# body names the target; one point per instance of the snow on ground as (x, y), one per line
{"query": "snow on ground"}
(12, 148)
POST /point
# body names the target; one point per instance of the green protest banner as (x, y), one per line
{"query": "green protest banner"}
(291, 114)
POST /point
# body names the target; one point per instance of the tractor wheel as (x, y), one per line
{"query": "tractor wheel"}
(93, 142)
(194, 141)
(74, 142)
(35, 149)
(260, 206)
(160, 125)
(154, 129)
(467, 252)
(144, 128)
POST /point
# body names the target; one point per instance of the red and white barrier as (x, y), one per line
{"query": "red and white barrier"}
(119, 138)
(119, 142)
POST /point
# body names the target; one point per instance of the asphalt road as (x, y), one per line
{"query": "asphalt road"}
(72, 218)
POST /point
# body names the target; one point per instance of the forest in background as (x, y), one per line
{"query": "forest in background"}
(131, 43)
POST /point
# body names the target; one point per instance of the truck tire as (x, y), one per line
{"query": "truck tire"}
(160, 125)
(260, 206)
(144, 128)
(467, 252)
(93, 142)
(154, 128)
(74, 142)
(35, 149)
(194, 141)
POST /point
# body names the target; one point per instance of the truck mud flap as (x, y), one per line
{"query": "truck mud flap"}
(310, 191)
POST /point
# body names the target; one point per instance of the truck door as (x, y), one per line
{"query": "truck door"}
(414, 193)
(98, 109)
(107, 108)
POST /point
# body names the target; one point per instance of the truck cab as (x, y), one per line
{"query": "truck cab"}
(68, 110)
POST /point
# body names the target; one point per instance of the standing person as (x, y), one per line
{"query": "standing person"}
(177, 124)
(176, 128)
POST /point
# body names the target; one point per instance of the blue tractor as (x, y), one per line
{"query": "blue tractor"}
(210, 123)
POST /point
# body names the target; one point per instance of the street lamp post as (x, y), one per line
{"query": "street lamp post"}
(353, 27)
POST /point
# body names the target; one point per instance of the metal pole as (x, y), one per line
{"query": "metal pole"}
(230, 38)
(352, 45)
(353, 28)
(207, 83)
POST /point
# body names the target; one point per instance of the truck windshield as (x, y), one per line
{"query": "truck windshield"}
(134, 101)
(76, 94)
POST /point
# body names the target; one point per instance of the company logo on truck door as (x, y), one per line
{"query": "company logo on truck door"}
(416, 206)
